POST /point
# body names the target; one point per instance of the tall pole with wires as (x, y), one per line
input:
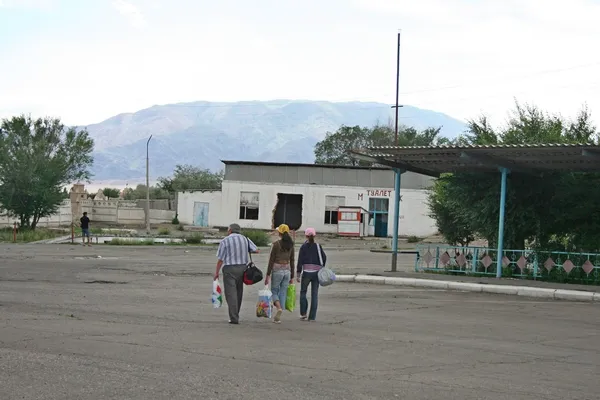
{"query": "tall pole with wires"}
(148, 186)
(397, 106)
(398, 172)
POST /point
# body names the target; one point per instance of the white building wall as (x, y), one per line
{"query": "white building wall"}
(224, 206)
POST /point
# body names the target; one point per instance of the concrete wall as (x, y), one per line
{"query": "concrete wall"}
(122, 212)
(116, 212)
(224, 205)
(161, 204)
(61, 218)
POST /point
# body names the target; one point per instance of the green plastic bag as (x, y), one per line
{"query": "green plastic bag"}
(290, 299)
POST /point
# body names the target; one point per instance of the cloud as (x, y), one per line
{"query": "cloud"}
(131, 12)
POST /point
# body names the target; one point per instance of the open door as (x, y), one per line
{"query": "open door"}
(288, 211)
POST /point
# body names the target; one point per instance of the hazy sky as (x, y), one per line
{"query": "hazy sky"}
(87, 60)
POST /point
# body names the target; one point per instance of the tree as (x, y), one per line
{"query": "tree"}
(334, 148)
(111, 193)
(188, 177)
(139, 193)
(558, 209)
(37, 159)
(448, 213)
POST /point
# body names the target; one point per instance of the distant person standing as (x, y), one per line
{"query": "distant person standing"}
(84, 223)
(233, 256)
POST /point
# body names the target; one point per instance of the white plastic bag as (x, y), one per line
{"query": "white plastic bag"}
(217, 295)
(264, 306)
(326, 276)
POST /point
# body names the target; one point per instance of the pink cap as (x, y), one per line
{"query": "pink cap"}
(310, 232)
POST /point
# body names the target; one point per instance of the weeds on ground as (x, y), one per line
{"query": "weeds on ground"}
(195, 238)
(413, 239)
(28, 235)
(130, 242)
(259, 238)
(164, 231)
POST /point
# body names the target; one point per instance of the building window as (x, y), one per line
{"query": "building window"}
(332, 204)
(249, 205)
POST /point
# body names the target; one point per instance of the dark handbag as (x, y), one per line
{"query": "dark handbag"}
(252, 274)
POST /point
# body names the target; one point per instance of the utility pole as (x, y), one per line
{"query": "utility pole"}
(148, 187)
(398, 172)
(397, 106)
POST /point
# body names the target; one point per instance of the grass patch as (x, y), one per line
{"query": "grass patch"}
(195, 238)
(413, 239)
(164, 231)
(260, 238)
(130, 242)
(28, 235)
(180, 228)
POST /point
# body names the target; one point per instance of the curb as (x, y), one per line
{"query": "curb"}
(526, 291)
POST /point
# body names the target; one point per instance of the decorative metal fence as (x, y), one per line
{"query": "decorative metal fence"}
(556, 266)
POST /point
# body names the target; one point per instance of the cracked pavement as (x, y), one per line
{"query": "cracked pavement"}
(138, 324)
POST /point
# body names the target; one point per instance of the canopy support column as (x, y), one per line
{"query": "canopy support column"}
(398, 175)
(505, 172)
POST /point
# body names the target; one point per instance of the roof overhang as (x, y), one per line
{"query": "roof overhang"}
(532, 159)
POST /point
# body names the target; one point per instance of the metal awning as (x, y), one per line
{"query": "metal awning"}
(534, 158)
(435, 160)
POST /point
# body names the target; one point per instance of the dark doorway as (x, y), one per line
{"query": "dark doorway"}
(288, 211)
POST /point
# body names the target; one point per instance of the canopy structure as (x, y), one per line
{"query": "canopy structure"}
(434, 160)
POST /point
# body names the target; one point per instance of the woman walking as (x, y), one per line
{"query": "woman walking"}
(280, 271)
(311, 258)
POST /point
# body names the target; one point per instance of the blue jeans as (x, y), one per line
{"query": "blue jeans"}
(311, 278)
(280, 280)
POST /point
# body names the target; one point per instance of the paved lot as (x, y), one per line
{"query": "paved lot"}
(67, 332)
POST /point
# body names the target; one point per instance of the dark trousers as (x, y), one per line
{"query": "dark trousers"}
(311, 278)
(233, 284)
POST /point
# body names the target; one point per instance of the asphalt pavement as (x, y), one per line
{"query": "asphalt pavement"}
(137, 323)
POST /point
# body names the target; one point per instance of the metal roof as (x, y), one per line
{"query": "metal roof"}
(277, 164)
(526, 158)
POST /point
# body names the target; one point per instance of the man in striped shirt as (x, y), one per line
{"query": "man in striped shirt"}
(233, 257)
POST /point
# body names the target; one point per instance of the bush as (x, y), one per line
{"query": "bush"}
(131, 242)
(175, 221)
(260, 238)
(195, 238)
(28, 235)
(413, 239)
(164, 231)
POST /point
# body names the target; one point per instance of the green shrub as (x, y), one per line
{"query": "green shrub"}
(260, 238)
(175, 221)
(131, 242)
(28, 235)
(413, 239)
(164, 231)
(195, 238)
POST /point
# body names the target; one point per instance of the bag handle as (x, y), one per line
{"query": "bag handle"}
(320, 256)
(249, 252)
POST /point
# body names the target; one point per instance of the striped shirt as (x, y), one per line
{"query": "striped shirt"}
(233, 250)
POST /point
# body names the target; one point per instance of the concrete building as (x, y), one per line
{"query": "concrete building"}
(264, 195)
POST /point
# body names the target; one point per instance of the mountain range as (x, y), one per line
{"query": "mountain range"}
(202, 133)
